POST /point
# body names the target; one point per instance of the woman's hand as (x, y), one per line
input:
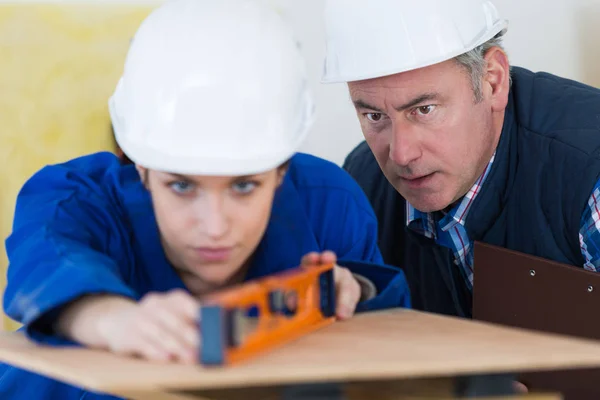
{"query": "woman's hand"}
(347, 287)
(161, 327)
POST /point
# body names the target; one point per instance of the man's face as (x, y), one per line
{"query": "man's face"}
(430, 137)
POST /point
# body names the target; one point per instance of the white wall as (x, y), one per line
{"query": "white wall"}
(557, 36)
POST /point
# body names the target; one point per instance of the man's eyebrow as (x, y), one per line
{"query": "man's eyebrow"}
(418, 100)
(409, 104)
(362, 104)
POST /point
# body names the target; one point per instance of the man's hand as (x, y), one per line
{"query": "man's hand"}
(346, 287)
(520, 388)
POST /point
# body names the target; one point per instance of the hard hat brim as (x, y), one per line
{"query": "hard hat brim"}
(500, 26)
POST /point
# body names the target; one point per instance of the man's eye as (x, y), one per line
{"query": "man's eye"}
(424, 110)
(244, 187)
(374, 117)
(181, 187)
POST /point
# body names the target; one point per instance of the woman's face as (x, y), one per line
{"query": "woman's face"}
(210, 226)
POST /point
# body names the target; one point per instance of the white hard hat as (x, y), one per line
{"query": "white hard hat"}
(212, 87)
(370, 39)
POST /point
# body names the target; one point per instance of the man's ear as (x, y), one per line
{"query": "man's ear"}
(143, 172)
(497, 78)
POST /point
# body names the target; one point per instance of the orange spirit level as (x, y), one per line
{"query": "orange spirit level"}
(242, 321)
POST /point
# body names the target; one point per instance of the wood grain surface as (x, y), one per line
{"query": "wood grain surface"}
(388, 345)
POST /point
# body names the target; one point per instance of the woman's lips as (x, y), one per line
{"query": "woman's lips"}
(213, 254)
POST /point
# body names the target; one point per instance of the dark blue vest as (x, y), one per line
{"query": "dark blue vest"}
(547, 162)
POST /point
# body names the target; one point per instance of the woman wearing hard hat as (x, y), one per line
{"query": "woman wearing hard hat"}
(211, 108)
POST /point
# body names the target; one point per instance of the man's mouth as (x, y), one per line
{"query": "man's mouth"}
(416, 180)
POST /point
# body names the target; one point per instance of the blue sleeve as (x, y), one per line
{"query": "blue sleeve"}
(63, 228)
(358, 251)
(589, 235)
(390, 282)
(349, 224)
(351, 231)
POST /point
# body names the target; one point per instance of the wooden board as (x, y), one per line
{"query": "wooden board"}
(397, 344)
(417, 389)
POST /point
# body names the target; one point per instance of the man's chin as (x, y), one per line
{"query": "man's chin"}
(426, 204)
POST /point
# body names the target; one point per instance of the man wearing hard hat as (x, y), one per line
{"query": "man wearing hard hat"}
(460, 147)
(211, 108)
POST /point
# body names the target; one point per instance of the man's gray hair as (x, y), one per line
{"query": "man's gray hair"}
(474, 63)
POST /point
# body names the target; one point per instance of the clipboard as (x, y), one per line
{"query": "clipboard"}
(524, 291)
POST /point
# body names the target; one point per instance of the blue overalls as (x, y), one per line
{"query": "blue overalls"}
(87, 226)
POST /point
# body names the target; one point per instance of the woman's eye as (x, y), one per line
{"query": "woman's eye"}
(181, 187)
(374, 117)
(244, 187)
